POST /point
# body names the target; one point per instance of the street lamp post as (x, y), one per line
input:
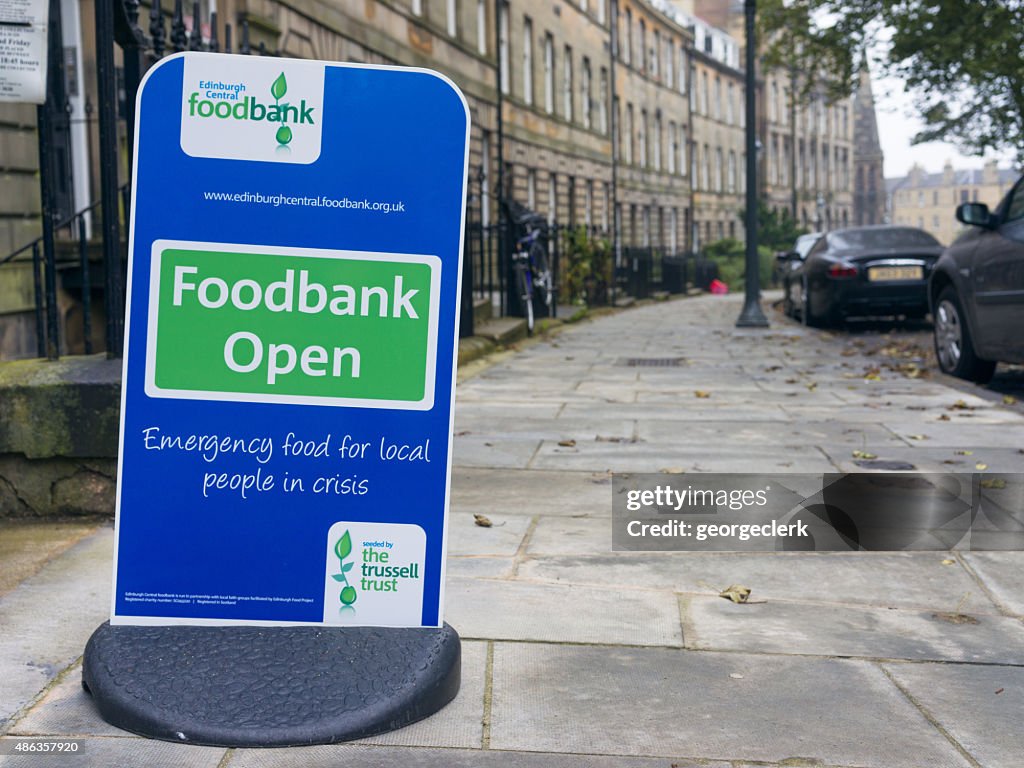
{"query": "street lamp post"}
(751, 316)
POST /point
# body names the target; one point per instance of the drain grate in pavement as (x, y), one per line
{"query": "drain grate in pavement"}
(652, 362)
(890, 466)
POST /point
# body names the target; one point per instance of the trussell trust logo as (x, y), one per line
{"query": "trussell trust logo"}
(250, 108)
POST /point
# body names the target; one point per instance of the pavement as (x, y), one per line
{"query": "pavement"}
(575, 656)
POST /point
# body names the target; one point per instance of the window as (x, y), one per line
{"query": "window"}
(585, 104)
(629, 133)
(673, 148)
(531, 189)
(481, 26)
(485, 183)
(588, 202)
(705, 96)
(583, 5)
(673, 229)
(601, 10)
(730, 115)
(567, 84)
(719, 171)
(773, 104)
(417, 7)
(684, 68)
(655, 54)
(657, 142)
(627, 38)
(605, 206)
(682, 151)
(549, 73)
(527, 60)
(552, 198)
(602, 102)
(670, 55)
(732, 172)
(643, 137)
(452, 15)
(503, 57)
(705, 181)
(641, 49)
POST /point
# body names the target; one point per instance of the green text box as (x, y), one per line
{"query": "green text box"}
(292, 325)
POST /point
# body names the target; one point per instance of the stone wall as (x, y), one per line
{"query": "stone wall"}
(59, 426)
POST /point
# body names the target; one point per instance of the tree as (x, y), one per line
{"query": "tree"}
(960, 59)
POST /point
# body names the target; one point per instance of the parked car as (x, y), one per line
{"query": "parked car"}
(977, 290)
(861, 272)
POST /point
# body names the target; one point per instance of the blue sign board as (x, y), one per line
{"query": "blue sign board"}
(293, 296)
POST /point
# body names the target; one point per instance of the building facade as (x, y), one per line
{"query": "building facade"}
(718, 115)
(928, 201)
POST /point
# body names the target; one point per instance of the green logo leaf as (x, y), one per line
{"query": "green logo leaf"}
(344, 546)
(284, 135)
(279, 87)
(339, 577)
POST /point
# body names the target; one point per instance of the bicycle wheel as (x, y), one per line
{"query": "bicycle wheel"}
(543, 279)
(525, 296)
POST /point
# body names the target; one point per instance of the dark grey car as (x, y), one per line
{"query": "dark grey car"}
(977, 290)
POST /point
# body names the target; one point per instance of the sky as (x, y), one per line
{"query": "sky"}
(897, 125)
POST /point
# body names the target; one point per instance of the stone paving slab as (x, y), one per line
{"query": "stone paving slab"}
(654, 457)
(928, 459)
(942, 434)
(551, 429)
(878, 411)
(509, 610)
(767, 434)
(979, 707)
(685, 410)
(479, 451)
(351, 756)
(471, 567)
(1003, 574)
(27, 545)
(513, 491)
(460, 724)
(683, 703)
(839, 630)
(907, 580)
(48, 618)
(504, 536)
(127, 752)
(66, 709)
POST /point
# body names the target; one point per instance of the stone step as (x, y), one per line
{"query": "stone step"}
(483, 310)
(502, 330)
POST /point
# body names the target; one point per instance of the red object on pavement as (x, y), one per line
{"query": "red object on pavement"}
(718, 287)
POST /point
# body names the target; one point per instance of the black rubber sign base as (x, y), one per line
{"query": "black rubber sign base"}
(269, 686)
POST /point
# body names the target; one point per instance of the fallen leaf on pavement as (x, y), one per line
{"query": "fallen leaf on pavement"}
(993, 482)
(918, 437)
(1000, 690)
(981, 466)
(864, 455)
(960, 405)
(567, 443)
(965, 453)
(738, 676)
(943, 417)
(947, 561)
(1009, 400)
(735, 593)
(482, 520)
(672, 471)
(701, 393)
(811, 386)
(954, 618)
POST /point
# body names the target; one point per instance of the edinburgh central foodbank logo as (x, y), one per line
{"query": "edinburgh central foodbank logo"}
(343, 548)
(225, 105)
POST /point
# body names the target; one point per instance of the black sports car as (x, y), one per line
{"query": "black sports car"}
(977, 290)
(861, 272)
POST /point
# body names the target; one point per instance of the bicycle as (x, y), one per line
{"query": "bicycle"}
(534, 280)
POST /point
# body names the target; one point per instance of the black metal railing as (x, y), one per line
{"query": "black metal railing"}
(92, 242)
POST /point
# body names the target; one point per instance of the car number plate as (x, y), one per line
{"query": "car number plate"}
(895, 273)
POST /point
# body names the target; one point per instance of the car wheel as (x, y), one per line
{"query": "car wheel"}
(954, 347)
(808, 318)
(787, 301)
